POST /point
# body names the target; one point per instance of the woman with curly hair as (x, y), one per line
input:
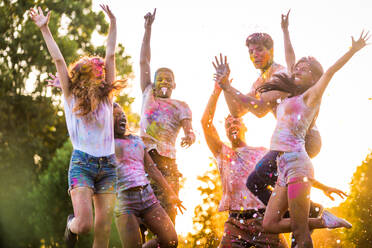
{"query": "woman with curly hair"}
(88, 88)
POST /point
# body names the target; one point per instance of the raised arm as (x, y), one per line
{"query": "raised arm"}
(235, 106)
(210, 133)
(238, 103)
(42, 22)
(154, 173)
(313, 95)
(290, 56)
(211, 136)
(110, 47)
(146, 52)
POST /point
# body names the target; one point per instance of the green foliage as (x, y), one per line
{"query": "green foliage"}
(30, 131)
(358, 207)
(208, 221)
(133, 118)
(52, 201)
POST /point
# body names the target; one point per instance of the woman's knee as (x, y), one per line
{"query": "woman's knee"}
(84, 226)
(103, 225)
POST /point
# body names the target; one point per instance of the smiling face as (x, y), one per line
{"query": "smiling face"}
(120, 121)
(303, 74)
(261, 57)
(164, 83)
(307, 72)
(235, 129)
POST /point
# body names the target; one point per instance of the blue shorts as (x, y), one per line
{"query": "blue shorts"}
(135, 201)
(97, 173)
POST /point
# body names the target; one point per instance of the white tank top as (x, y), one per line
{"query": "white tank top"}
(94, 133)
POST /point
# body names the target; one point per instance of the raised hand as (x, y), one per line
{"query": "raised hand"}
(222, 71)
(39, 18)
(149, 18)
(107, 10)
(285, 22)
(54, 81)
(329, 191)
(361, 42)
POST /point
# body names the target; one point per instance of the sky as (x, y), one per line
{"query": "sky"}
(186, 35)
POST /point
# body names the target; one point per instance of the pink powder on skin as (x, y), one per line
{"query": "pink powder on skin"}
(296, 187)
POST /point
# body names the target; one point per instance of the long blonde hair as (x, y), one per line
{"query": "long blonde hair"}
(88, 85)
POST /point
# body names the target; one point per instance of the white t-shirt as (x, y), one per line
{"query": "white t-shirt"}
(234, 167)
(161, 121)
(94, 133)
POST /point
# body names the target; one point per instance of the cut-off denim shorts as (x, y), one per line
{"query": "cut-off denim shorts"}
(294, 165)
(97, 173)
(136, 201)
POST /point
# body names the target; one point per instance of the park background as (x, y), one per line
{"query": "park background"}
(186, 35)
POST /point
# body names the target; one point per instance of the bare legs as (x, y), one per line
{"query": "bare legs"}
(81, 198)
(104, 207)
(296, 198)
(157, 220)
(82, 223)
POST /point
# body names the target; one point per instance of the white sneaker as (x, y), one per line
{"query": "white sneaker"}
(332, 221)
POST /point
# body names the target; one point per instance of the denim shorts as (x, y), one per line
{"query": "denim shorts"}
(135, 201)
(97, 173)
(294, 165)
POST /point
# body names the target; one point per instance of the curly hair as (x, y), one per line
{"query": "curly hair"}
(261, 39)
(88, 85)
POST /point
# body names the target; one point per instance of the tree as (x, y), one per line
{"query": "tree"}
(208, 221)
(358, 207)
(32, 124)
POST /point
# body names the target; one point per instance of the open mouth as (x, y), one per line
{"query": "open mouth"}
(122, 124)
(234, 133)
(164, 90)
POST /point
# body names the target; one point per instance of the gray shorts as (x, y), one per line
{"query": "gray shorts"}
(292, 165)
(135, 201)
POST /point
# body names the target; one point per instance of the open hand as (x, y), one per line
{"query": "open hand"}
(222, 71)
(149, 18)
(285, 22)
(188, 140)
(361, 42)
(329, 191)
(175, 200)
(107, 10)
(54, 81)
(39, 18)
